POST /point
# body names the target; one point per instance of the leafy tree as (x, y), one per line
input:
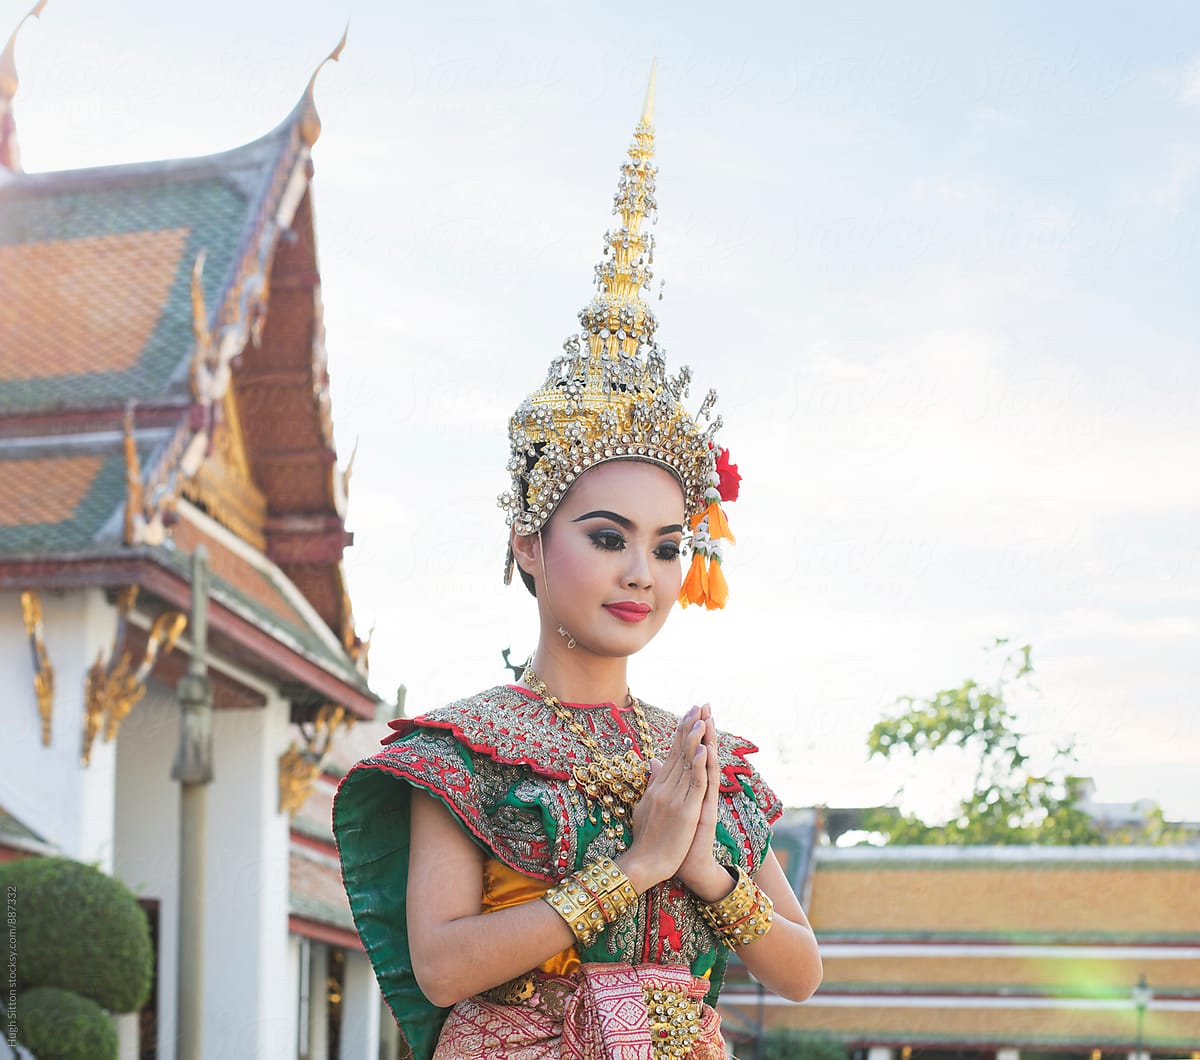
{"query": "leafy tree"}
(1155, 830)
(1009, 801)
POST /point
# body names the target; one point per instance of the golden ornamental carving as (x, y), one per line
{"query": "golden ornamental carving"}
(299, 766)
(43, 672)
(220, 481)
(145, 517)
(112, 689)
(10, 152)
(224, 486)
(358, 649)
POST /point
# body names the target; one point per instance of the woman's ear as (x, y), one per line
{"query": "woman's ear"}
(525, 552)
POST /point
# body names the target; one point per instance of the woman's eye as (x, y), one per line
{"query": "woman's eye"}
(609, 540)
(667, 551)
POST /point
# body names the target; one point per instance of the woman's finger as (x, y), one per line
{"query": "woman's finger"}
(697, 779)
(676, 765)
(660, 775)
(681, 733)
(685, 764)
(713, 791)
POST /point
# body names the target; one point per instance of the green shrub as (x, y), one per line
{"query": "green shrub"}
(58, 1024)
(80, 930)
(786, 1043)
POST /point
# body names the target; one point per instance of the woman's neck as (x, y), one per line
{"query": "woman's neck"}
(579, 677)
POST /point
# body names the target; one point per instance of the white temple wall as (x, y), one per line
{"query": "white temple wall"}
(47, 788)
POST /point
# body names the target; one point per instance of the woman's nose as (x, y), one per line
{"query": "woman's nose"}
(637, 573)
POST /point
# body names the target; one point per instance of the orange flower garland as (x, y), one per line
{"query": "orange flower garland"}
(705, 582)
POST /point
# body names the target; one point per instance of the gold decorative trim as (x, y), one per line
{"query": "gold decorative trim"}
(43, 675)
(112, 689)
(224, 487)
(145, 521)
(310, 120)
(10, 152)
(223, 483)
(299, 766)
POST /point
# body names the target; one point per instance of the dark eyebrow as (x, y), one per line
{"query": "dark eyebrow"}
(620, 520)
(626, 524)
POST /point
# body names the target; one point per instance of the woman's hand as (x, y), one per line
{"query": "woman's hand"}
(699, 871)
(665, 819)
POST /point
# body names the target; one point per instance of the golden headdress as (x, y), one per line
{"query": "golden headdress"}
(608, 395)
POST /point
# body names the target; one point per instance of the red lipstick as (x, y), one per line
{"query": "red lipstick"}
(628, 611)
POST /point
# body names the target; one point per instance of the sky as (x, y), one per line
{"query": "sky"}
(938, 260)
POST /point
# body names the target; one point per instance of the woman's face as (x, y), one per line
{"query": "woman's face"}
(611, 554)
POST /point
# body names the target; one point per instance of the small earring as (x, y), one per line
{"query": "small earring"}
(563, 633)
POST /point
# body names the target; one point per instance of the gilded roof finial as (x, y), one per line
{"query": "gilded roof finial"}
(10, 155)
(310, 120)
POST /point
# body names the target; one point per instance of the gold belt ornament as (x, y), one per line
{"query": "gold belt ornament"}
(674, 1022)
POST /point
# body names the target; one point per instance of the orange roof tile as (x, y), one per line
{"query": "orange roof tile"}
(83, 305)
(45, 489)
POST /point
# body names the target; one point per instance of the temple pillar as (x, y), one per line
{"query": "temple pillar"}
(247, 998)
(389, 1032)
(361, 1002)
(318, 1002)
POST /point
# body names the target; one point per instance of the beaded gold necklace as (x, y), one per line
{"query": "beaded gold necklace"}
(612, 784)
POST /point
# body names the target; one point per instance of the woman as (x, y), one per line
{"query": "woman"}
(561, 867)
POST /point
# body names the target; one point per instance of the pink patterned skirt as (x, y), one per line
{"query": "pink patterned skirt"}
(602, 1012)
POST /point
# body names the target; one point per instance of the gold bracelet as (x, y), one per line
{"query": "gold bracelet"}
(734, 906)
(592, 898)
(743, 915)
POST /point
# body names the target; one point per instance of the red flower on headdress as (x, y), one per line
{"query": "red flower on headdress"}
(730, 479)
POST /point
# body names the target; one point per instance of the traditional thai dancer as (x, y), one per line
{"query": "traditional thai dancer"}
(554, 868)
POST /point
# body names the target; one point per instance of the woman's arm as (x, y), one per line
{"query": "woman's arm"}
(786, 959)
(458, 951)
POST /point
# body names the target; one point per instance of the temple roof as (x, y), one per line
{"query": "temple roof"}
(162, 363)
(97, 266)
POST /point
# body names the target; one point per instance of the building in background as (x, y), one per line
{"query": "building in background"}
(990, 952)
(163, 385)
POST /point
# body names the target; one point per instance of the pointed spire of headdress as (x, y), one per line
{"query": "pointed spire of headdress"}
(618, 320)
(648, 106)
(310, 120)
(10, 154)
